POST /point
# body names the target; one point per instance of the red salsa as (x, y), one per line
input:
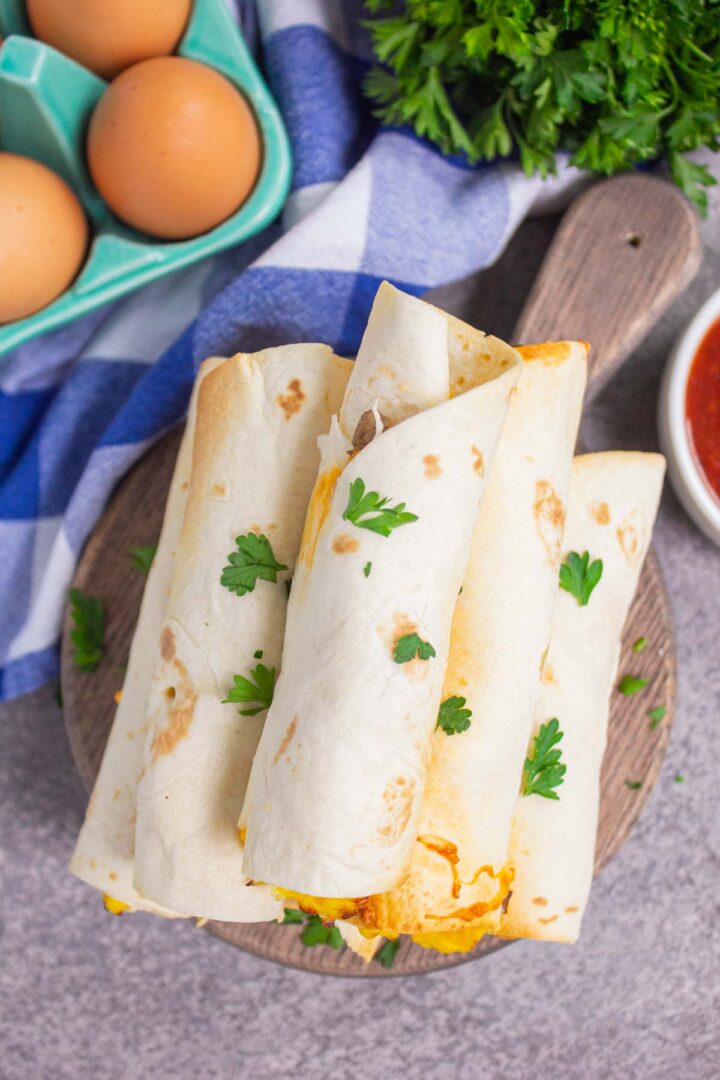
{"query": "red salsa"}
(702, 406)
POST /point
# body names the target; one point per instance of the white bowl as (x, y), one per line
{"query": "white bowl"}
(684, 470)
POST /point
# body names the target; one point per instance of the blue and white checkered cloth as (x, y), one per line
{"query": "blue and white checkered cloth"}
(79, 406)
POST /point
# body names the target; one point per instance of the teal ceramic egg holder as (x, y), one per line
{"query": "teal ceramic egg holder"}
(45, 105)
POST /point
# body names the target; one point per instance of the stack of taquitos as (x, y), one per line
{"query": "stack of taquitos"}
(385, 786)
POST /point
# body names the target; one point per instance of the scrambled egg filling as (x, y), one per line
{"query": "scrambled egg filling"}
(329, 910)
(115, 907)
(450, 941)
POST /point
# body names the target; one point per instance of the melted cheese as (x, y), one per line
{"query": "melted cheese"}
(115, 907)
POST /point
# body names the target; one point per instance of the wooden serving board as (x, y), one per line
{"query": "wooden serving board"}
(622, 253)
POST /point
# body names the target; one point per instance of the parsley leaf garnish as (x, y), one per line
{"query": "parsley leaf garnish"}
(543, 770)
(88, 633)
(260, 691)
(656, 715)
(385, 519)
(579, 576)
(258, 654)
(253, 561)
(453, 716)
(679, 778)
(316, 933)
(634, 785)
(387, 952)
(640, 645)
(409, 646)
(367, 568)
(292, 917)
(142, 557)
(632, 684)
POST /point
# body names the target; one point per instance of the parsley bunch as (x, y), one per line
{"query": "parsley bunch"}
(615, 82)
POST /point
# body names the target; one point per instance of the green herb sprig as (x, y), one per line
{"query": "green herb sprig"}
(632, 684)
(409, 646)
(453, 717)
(656, 715)
(384, 519)
(543, 770)
(315, 931)
(88, 633)
(253, 561)
(142, 557)
(258, 690)
(385, 956)
(579, 576)
(613, 83)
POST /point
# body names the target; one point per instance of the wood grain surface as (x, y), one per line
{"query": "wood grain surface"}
(598, 282)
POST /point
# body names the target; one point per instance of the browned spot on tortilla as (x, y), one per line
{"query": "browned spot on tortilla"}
(286, 739)
(549, 514)
(112, 875)
(180, 714)
(93, 864)
(549, 352)
(343, 543)
(318, 510)
(551, 918)
(383, 372)
(185, 485)
(432, 467)
(548, 676)
(629, 542)
(601, 512)
(540, 901)
(291, 402)
(543, 658)
(116, 794)
(218, 489)
(167, 643)
(478, 461)
(571, 910)
(131, 734)
(398, 799)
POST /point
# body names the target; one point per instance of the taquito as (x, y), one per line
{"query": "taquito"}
(613, 503)
(460, 872)
(254, 463)
(336, 785)
(105, 850)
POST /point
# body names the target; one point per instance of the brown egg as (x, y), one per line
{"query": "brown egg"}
(43, 236)
(173, 147)
(108, 36)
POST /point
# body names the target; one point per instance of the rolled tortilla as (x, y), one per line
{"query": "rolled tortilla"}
(613, 503)
(254, 463)
(335, 789)
(105, 850)
(460, 873)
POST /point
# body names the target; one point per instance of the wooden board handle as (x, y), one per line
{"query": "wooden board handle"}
(624, 251)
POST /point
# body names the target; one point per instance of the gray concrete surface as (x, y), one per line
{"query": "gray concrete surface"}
(83, 995)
